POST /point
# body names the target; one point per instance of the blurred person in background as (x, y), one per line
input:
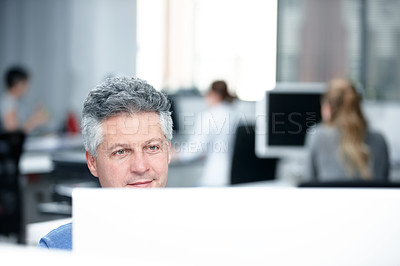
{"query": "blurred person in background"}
(342, 147)
(16, 81)
(213, 137)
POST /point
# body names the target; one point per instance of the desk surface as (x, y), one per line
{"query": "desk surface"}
(52, 143)
(36, 163)
(40, 153)
(43, 162)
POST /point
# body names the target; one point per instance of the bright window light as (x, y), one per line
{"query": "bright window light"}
(195, 43)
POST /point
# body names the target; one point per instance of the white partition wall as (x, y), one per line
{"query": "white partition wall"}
(242, 226)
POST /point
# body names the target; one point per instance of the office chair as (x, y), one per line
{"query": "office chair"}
(246, 167)
(11, 145)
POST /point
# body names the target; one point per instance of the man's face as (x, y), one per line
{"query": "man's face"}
(134, 152)
(20, 88)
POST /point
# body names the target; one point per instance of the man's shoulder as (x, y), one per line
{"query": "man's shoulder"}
(59, 238)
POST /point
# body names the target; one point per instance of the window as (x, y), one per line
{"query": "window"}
(185, 44)
(319, 40)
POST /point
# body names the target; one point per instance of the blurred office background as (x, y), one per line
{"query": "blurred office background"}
(180, 47)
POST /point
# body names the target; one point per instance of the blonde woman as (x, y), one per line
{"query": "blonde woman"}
(342, 147)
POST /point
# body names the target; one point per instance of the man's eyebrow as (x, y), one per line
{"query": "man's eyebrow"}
(153, 140)
(115, 145)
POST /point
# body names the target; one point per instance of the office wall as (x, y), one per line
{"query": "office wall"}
(103, 43)
(68, 46)
(35, 34)
(383, 117)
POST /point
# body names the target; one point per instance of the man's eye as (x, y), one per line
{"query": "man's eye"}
(153, 148)
(120, 152)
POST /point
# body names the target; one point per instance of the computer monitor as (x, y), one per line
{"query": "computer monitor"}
(285, 116)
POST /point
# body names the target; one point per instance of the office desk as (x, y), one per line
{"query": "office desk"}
(40, 169)
(40, 152)
(51, 143)
(36, 163)
(43, 162)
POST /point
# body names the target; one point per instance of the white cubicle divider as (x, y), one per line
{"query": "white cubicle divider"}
(20, 255)
(240, 226)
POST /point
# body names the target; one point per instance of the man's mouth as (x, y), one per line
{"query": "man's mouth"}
(141, 184)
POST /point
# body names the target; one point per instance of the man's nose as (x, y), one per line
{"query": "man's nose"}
(139, 163)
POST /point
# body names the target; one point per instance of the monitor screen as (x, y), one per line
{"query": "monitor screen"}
(284, 117)
(289, 117)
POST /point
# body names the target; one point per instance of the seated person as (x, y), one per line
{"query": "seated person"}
(17, 84)
(342, 147)
(127, 132)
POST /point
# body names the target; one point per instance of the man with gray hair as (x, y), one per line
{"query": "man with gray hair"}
(127, 132)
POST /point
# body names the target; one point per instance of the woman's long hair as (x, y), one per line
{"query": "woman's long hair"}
(346, 114)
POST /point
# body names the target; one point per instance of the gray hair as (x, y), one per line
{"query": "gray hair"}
(121, 95)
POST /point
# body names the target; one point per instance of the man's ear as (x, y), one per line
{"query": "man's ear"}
(169, 152)
(91, 163)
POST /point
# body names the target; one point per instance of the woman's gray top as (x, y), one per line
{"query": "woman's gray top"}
(326, 163)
